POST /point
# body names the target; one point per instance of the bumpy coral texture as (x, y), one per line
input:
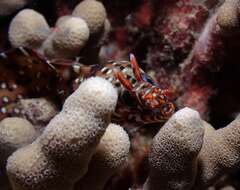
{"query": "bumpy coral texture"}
(176, 26)
(220, 153)
(67, 39)
(182, 157)
(93, 12)
(174, 152)
(28, 28)
(111, 154)
(228, 188)
(62, 19)
(37, 110)
(8, 7)
(60, 156)
(14, 133)
(228, 16)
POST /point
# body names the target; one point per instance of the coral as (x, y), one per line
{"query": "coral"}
(219, 154)
(174, 152)
(209, 52)
(188, 46)
(8, 7)
(227, 18)
(28, 28)
(38, 111)
(67, 39)
(29, 168)
(111, 154)
(182, 157)
(14, 133)
(68, 142)
(94, 13)
(228, 188)
(62, 19)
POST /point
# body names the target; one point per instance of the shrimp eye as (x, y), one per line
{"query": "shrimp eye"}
(148, 79)
(167, 109)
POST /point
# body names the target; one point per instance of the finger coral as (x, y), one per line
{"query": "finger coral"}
(93, 12)
(8, 7)
(188, 52)
(111, 154)
(228, 188)
(60, 156)
(67, 39)
(219, 154)
(188, 153)
(174, 152)
(38, 111)
(14, 133)
(28, 28)
(227, 16)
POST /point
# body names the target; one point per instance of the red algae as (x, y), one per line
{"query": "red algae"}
(176, 27)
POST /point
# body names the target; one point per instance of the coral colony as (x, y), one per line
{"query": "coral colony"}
(119, 95)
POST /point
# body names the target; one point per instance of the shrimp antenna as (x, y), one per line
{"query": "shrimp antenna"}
(135, 67)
